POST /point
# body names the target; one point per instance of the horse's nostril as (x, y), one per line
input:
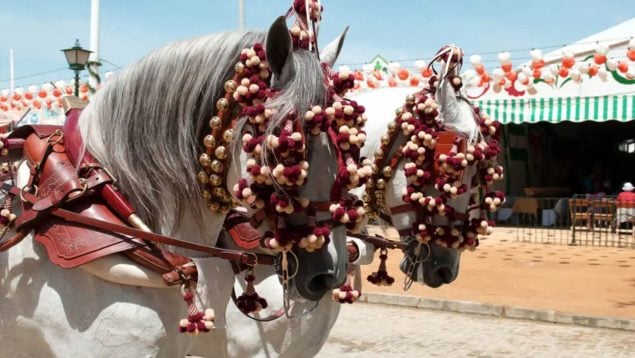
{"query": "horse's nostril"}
(322, 282)
(445, 274)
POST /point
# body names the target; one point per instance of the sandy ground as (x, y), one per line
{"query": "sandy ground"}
(594, 281)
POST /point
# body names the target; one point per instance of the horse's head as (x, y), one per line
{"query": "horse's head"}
(427, 164)
(300, 202)
(172, 127)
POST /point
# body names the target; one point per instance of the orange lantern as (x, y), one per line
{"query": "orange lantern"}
(537, 73)
(414, 81)
(511, 76)
(3, 99)
(83, 88)
(485, 77)
(622, 66)
(28, 96)
(426, 72)
(631, 54)
(57, 92)
(568, 62)
(563, 72)
(392, 82)
(538, 64)
(599, 59)
(42, 94)
(403, 74)
(68, 90)
(17, 97)
(371, 84)
(359, 76)
(593, 70)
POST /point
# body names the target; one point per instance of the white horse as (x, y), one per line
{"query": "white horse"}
(442, 265)
(146, 127)
(296, 337)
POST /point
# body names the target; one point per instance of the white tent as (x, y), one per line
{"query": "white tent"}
(608, 95)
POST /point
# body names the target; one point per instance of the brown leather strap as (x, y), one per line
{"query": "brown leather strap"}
(380, 241)
(401, 209)
(246, 258)
(64, 191)
(9, 243)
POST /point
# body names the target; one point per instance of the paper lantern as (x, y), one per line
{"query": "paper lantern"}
(403, 74)
(57, 92)
(414, 81)
(593, 70)
(563, 72)
(392, 82)
(622, 66)
(599, 59)
(568, 62)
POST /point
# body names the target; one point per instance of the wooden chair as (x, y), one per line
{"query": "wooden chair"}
(580, 213)
(603, 213)
(625, 219)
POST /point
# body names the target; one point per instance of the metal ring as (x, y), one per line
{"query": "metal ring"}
(83, 191)
(57, 133)
(278, 265)
(28, 189)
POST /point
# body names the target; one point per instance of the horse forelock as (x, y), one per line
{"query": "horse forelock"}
(146, 125)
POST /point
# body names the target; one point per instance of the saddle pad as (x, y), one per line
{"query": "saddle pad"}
(70, 245)
(446, 143)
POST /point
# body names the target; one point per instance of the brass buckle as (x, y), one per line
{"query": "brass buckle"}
(56, 137)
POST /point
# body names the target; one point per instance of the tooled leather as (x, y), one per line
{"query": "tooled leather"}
(241, 231)
(68, 245)
(446, 144)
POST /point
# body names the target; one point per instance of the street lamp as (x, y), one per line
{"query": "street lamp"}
(76, 57)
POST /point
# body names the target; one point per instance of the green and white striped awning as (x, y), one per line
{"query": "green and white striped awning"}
(554, 110)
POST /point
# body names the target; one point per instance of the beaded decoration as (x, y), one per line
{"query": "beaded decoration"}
(419, 121)
(277, 164)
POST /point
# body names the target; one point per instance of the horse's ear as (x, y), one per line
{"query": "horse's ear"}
(332, 50)
(279, 46)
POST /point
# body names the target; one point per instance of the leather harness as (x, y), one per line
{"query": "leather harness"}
(79, 216)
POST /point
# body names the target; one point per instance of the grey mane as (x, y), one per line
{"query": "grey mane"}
(146, 125)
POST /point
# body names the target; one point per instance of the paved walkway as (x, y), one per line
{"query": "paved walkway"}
(365, 330)
(590, 281)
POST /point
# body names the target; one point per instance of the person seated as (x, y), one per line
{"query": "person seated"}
(627, 195)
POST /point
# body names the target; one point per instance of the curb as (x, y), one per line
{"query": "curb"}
(496, 310)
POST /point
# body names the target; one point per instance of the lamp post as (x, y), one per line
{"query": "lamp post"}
(76, 57)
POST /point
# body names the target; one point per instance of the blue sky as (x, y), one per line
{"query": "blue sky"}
(398, 30)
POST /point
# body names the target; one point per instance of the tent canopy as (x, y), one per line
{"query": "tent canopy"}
(593, 99)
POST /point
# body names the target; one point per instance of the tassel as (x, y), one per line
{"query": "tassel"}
(196, 321)
(381, 277)
(346, 293)
(250, 301)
